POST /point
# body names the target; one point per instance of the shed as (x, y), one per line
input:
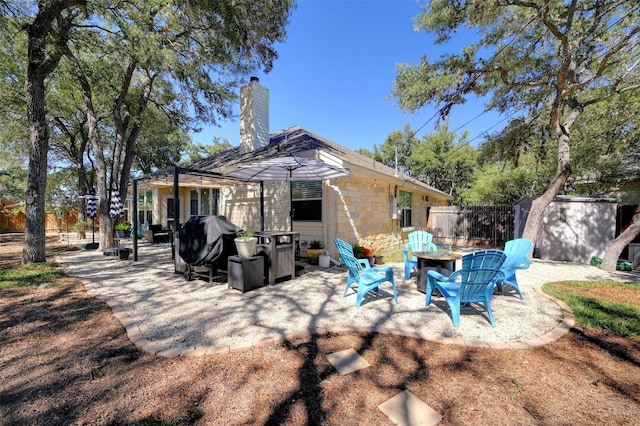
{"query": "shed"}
(576, 228)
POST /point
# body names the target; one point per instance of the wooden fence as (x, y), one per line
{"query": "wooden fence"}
(15, 222)
(472, 225)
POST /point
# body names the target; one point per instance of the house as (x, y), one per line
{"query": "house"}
(372, 206)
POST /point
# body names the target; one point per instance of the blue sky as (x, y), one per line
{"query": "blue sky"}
(335, 72)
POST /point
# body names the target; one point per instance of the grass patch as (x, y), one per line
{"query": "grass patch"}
(31, 275)
(595, 306)
(393, 256)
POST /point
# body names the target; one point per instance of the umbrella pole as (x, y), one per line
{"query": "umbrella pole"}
(262, 205)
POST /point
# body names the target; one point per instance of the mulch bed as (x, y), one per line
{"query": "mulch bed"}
(65, 359)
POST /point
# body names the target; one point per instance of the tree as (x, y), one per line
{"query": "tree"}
(553, 55)
(184, 58)
(47, 27)
(494, 183)
(175, 60)
(198, 151)
(396, 150)
(442, 162)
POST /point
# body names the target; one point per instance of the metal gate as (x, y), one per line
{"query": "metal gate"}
(472, 225)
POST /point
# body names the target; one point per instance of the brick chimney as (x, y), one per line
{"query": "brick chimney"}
(254, 116)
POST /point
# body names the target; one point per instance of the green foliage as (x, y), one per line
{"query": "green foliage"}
(404, 141)
(316, 244)
(246, 234)
(13, 182)
(606, 147)
(123, 226)
(595, 312)
(365, 152)
(498, 184)
(443, 162)
(519, 53)
(149, 71)
(62, 191)
(198, 151)
(81, 225)
(524, 60)
(31, 275)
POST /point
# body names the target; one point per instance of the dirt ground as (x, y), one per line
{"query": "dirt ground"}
(65, 359)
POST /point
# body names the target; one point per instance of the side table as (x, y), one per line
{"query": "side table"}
(245, 273)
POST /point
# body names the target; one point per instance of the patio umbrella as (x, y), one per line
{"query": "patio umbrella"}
(286, 168)
(91, 206)
(116, 209)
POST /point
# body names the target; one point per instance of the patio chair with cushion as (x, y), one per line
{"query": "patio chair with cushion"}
(418, 241)
(155, 234)
(517, 252)
(471, 284)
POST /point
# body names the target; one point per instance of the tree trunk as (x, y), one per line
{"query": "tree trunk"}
(610, 259)
(34, 231)
(41, 62)
(536, 214)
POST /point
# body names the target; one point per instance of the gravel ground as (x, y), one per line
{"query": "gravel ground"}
(175, 314)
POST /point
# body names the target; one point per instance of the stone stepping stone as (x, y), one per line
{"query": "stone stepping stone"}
(406, 409)
(347, 361)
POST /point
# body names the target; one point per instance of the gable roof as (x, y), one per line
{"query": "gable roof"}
(296, 140)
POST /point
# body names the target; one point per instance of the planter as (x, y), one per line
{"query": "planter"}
(379, 260)
(246, 246)
(124, 253)
(371, 260)
(313, 254)
(123, 234)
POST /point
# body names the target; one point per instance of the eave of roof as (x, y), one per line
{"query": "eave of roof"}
(296, 140)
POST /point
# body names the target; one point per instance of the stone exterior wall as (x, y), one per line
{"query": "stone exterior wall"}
(363, 213)
(241, 205)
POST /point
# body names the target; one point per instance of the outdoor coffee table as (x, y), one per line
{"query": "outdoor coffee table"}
(444, 263)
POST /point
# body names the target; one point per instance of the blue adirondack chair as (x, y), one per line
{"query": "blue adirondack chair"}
(418, 241)
(346, 248)
(367, 279)
(471, 284)
(517, 252)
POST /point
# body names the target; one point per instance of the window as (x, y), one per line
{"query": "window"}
(145, 206)
(193, 202)
(306, 200)
(203, 201)
(404, 203)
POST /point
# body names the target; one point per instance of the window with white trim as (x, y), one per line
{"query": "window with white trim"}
(404, 204)
(306, 200)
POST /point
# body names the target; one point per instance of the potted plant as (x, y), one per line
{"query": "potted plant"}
(315, 249)
(246, 243)
(123, 229)
(360, 252)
